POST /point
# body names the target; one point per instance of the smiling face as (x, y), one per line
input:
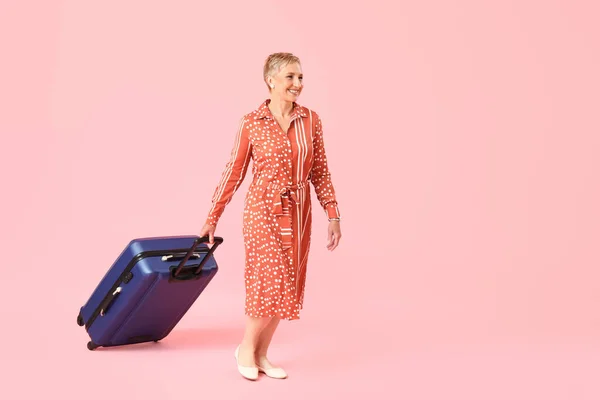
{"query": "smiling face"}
(287, 83)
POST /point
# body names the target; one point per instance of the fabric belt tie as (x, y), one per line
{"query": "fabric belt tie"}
(282, 209)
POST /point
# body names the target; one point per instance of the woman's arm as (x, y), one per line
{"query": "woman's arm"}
(320, 175)
(233, 176)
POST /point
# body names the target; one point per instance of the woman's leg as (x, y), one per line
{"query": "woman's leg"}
(264, 340)
(254, 327)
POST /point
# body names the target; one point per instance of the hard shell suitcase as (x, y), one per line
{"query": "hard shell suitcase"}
(148, 289)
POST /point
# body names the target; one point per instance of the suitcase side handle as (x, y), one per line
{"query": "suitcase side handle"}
(203, 239)
(108, 301)
(179, 256)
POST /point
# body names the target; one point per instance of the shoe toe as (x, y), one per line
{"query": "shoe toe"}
(277, 373)
(250, 373)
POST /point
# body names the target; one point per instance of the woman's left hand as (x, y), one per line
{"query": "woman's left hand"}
(334, 234)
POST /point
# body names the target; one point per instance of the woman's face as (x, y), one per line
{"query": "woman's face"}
(288, 83)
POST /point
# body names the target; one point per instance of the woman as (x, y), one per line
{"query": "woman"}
(285, 142)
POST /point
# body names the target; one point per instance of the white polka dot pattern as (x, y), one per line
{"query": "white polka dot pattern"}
(277, 206)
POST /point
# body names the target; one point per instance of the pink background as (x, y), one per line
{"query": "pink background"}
(463, 139)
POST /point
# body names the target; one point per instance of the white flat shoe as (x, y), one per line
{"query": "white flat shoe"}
(250, 373)
(277, 373)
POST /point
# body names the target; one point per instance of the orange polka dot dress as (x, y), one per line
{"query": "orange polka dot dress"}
(277, 206)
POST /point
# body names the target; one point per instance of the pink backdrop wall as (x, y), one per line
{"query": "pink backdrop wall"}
(463, 139)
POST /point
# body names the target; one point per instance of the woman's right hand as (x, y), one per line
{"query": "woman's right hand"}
(208, 230)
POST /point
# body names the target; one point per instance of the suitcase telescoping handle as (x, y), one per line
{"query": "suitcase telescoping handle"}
(203, 239)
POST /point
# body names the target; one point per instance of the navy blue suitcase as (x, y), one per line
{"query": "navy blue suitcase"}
(148, 289)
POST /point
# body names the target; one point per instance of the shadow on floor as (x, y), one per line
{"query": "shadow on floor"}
(187, 339)
(213, 338)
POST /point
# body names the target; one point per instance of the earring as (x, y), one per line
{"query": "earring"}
(272, 86)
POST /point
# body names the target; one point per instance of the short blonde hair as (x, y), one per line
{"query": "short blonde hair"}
(275, 62)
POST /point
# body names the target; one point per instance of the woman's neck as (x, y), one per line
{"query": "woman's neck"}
(280, 108)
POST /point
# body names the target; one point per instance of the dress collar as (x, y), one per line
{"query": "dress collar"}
(264, 112)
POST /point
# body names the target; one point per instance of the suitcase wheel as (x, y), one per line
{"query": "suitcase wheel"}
(80, 321)
(92, 346)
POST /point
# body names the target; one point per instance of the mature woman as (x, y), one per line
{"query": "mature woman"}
(285, 142)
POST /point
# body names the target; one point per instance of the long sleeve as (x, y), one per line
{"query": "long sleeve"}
(233, 176)
(320, 175)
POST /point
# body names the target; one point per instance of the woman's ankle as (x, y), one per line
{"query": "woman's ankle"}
(247, 346)
(259, 354)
